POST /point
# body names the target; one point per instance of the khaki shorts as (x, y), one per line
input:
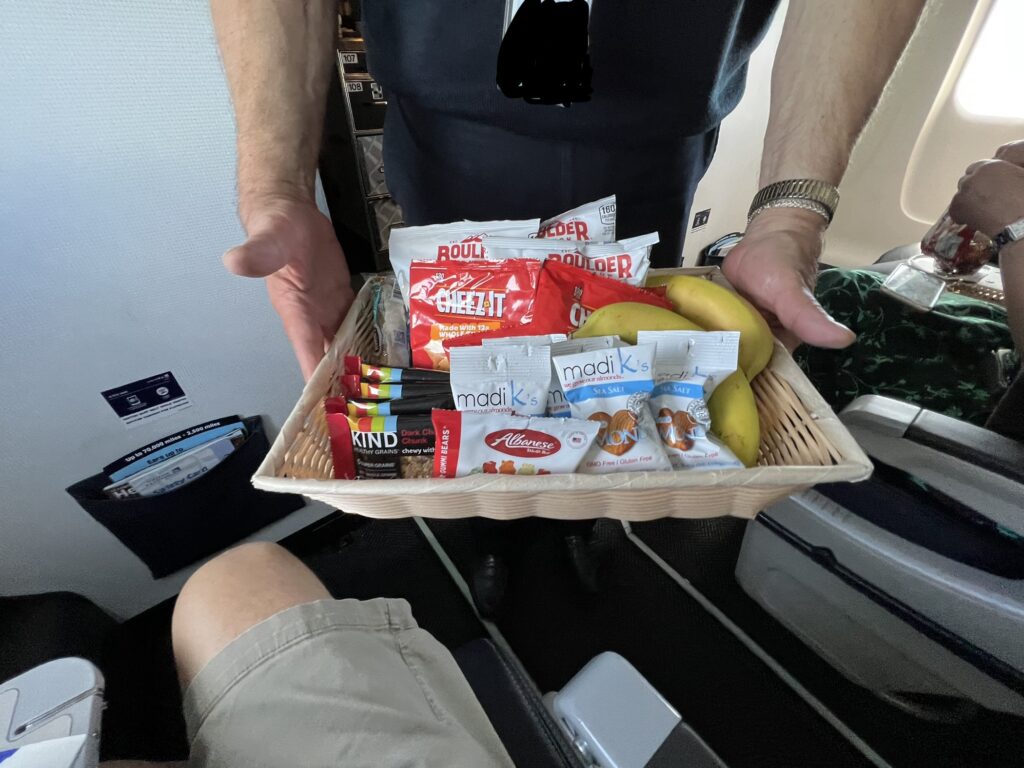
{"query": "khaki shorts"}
(338, 683)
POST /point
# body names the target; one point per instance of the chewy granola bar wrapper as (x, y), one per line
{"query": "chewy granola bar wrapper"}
(592, 221)
(422, 404)
(688, 365)
(458, 241)
(566, 295)
(453, 299)
(558, 406)
(470, 443)
(354, 366)
(510, 378)
(381, 447)
(611, 387)
(355, 388)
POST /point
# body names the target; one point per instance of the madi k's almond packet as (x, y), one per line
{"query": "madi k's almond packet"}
(611, 387)
(501, 379)
(688, 366)
(458, 241)
(503, 444)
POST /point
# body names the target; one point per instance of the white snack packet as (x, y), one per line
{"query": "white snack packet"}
(544, 340)
(688, 365)
(468, 443)
(557, 404)
(499, 248)
(612, 386)
(592, 221)
(457, 241)
(627, 260)
(511, 378)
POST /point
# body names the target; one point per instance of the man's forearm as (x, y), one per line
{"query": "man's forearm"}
(833, 62)
(278, 56)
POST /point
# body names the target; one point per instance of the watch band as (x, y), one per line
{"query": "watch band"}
(813, 190)
(1011, 233)
(793, 202)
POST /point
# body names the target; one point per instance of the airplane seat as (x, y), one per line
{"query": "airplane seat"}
(911, 583)
(515, 707)
(35, 629)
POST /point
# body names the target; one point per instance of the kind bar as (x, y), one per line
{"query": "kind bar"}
(424, 404)
(355, 366)
(501, 379)
(566, 295)
(456, 298)
(381, 447)
(355, 388)
(557, 404)
(611, 387)
(593, 221)
(458, 241)
(503, 444)
(688, 365)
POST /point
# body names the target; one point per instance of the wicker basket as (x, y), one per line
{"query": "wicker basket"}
(802, 444)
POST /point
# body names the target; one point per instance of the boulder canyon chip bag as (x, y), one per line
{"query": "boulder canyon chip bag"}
(381, 447)
(611, 387)
(592, 221)
(450, 299)
(502, 444)
(501, 379)
(627, 260)
(558, 406)
(501, 248)
(458, 241)
(688, 365)
(566, 295)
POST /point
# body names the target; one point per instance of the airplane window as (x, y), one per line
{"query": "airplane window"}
(989, 84)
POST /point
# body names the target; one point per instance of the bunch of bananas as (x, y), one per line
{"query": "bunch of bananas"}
(701, 305)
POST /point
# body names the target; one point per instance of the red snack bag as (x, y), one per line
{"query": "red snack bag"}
(451, 299)
(566, 295)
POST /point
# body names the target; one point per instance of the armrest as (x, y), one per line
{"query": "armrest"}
(974, 466)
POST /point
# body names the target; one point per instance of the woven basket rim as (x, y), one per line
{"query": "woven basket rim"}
(853, 464)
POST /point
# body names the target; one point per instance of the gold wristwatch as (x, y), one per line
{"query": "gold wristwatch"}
(808, 194)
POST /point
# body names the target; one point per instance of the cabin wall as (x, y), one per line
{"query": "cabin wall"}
(117, 199)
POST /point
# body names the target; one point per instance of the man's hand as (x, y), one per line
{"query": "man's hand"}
(293, 245)
(991, 192)
(775, 267)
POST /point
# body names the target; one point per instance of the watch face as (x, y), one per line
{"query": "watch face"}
(1016, 230)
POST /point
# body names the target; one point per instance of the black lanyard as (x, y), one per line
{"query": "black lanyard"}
(544, 56)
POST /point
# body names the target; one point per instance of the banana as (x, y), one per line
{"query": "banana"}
(734, 417)
(719, 309)
(655, 280)
(626, 318)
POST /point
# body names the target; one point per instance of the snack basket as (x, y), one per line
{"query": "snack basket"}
(802, 443)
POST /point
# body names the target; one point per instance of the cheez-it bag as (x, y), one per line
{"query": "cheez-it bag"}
(566, 295)
(452, 299)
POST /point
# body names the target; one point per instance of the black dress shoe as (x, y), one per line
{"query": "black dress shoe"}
(584, 562)
(490, 578)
